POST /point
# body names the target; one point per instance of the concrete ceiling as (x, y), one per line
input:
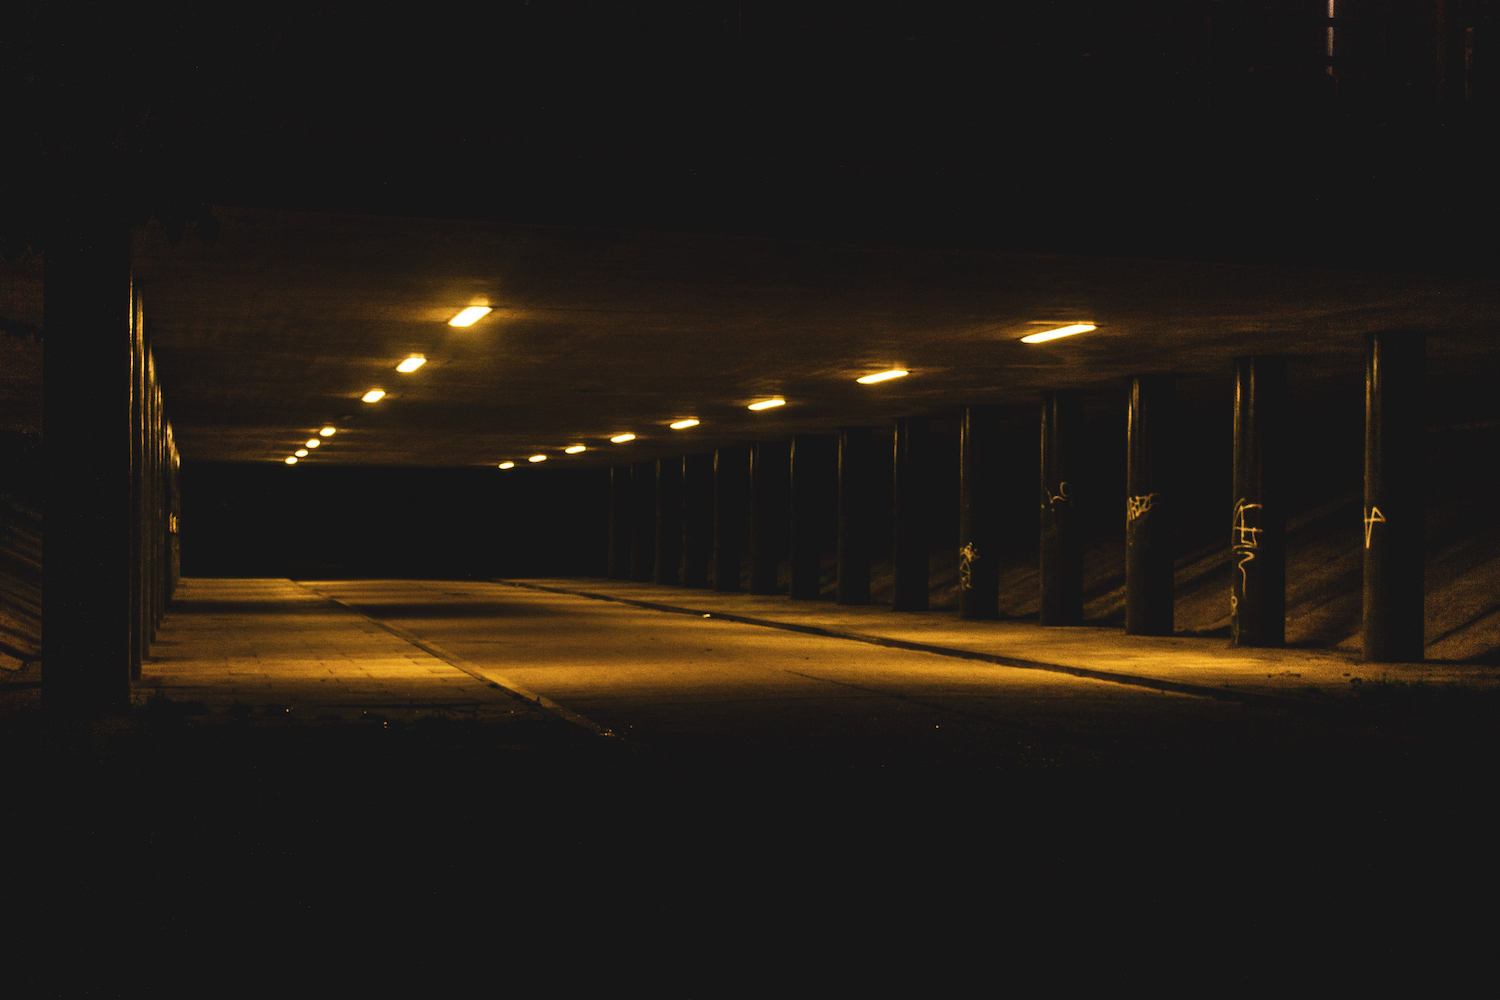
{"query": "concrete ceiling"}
(280, 326)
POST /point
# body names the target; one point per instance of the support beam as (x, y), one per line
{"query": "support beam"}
(87, 574)
(731, 472)
(979, 514)
(1394, 508)
(668, 521)
(642, 521)
(813, 482)
(854, 516)
(910, 514)
(619, 523)
(697, 519)
(1061, 490)
(1149, 497)
(1257, 588)
(768, 513)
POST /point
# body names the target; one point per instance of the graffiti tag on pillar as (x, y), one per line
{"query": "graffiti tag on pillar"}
(966, 557)
(1373, 518)
(1060, 497)
(1246, 537)
(1139, 506)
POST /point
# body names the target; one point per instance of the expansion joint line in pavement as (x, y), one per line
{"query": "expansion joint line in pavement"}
(1113, 677)
(478, 673)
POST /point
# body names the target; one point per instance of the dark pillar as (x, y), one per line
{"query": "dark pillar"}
(768, 513)
(668, 520)
(979, 525)
(87, 574)
(1257, 588)
(731, 470)
(140, 502)
(619, 523)
(854, 515)
(910, 514)
(642, 521)
(1394, 510)
(1149, 493)
(1061, 547)
(812, 486)
(697, 519)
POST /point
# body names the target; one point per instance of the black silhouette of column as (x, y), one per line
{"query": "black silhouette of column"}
(87, 574)
(731, 469)
(768, 513)
(668, 521)
(642, 521)
(979, 527)
(697, 519)
(909, 557)
(619, 523)
(1394, 509)
(1149, 498)
(854, 516)
(1257, 588)
(812, 482)
(1061, 490)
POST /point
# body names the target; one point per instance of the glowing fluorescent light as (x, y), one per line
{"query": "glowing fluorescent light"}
(622, 438)
(312, 443)
(412, 363)
(574, 450)
(1062, 331)
(766, 404)
(537, 458)
(300, 453)
(372, 395)
(507, 465)
(468, 316)
(291, 460)
(880, 377)
(327, 431)
(679, 425)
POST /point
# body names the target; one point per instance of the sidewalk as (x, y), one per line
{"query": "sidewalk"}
(272, 649)
(1204, 666)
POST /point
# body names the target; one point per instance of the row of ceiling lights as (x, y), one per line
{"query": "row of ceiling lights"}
(468, 316)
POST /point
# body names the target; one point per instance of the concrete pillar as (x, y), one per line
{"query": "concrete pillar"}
(768, 513)
(87, 573)
(642, 521)
(979, 527)
(813, 480)
(1062, 489)
(854, 515)
(668, 521)
(731, 472)
(1394, 508)
(619, 523)
(910, 514)
(1257, 588)
(140, 501)
(697, 519)
(1149, 495)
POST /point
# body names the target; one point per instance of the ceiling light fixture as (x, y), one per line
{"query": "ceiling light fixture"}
(327, 431)
(291, 460)
(574, 450)
(766, 404)
(622, 438)
(372, 395)
(537, 458)
(313, 442)
(468, 316)
(1062, 331)
(412, 363)
(680, 424)
(300, 453)
(507, 465)
(881, 376)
